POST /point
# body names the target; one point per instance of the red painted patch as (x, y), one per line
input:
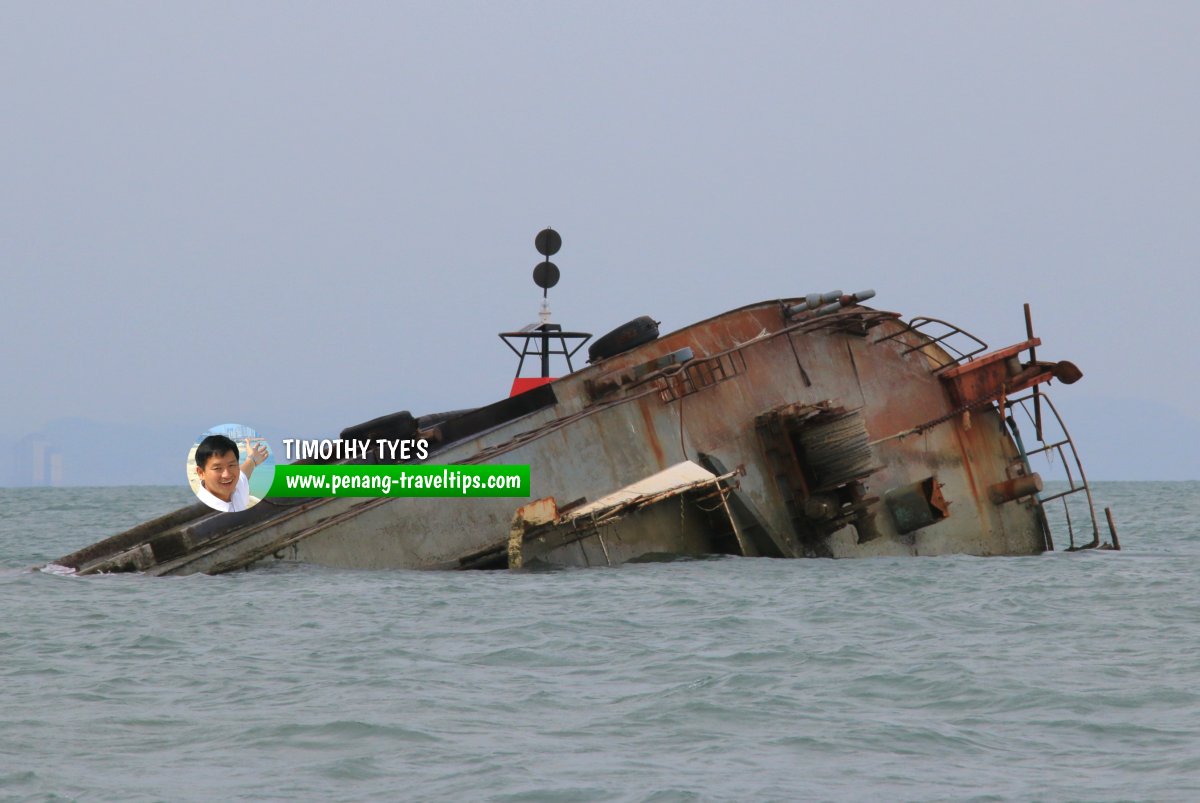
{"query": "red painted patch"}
(524, 383)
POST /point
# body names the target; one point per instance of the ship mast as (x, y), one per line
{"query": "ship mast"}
(543, 338)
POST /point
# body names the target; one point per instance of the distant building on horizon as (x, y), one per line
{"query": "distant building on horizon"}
(37, 462)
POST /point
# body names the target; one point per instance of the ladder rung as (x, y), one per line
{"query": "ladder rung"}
(1048, 447)
(1075, 490)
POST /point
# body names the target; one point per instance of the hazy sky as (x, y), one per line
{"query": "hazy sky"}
(298, 216)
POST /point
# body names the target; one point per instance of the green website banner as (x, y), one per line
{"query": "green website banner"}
(406, 480)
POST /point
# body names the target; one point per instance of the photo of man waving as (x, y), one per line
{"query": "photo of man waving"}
(224, 481)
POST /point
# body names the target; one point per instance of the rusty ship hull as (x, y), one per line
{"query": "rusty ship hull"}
(779, 429)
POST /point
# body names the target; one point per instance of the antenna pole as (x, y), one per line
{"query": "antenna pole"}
(545, 276)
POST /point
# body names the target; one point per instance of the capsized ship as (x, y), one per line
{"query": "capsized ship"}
(813, 426)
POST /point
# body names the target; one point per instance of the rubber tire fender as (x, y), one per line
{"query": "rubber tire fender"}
(395, 426)
(625, 337)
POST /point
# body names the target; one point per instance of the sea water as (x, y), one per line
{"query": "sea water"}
(1059, 677)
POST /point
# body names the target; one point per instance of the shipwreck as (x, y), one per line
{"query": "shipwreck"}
(806, 427)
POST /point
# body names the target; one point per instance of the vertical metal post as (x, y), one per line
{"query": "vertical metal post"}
(1112, 528)
(1037, 401)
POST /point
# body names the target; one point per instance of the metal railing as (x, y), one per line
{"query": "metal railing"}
(958, 343)
(1060, 444)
